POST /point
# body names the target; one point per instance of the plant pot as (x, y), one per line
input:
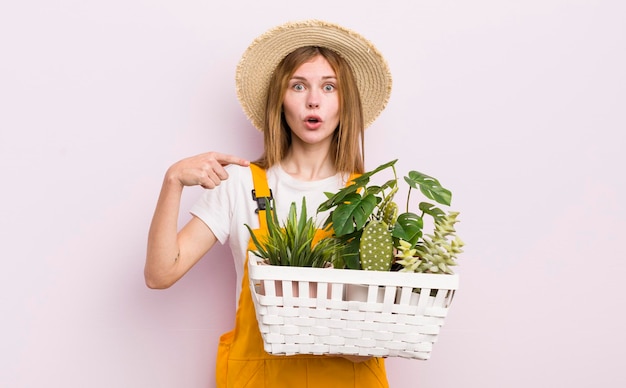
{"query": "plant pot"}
(285, 288)
(365, 293)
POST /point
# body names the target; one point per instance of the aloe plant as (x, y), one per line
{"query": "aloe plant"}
(294, 243)
(365, 220)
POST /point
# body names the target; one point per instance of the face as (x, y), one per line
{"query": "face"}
(311, 103)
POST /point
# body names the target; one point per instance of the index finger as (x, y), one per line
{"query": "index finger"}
(226, 159)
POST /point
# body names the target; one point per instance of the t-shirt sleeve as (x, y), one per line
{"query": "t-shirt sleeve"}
(215, 206)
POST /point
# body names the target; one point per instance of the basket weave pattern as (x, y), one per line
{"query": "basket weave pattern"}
(352, 312)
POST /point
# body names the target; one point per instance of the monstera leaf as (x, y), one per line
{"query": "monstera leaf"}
(408, 227)
(353, 213)
(429, 186)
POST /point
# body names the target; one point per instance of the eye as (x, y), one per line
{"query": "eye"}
(298, 87)
(329, 87)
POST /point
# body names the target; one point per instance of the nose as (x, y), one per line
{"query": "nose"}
(313, 100)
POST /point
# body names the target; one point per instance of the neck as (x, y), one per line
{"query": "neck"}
(309, 164)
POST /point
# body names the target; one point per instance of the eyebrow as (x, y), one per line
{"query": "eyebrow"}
(326, 77)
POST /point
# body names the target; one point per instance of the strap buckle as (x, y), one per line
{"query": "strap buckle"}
(262, 203)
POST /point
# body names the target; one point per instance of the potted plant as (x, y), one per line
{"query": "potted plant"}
(296, 243)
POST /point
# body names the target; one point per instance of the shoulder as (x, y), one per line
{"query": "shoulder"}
(230, 190)
(238, 176)
(236, 171)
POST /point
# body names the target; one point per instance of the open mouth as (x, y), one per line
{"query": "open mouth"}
(312, 120)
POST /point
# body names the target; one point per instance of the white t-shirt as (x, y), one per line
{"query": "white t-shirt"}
(229, 207)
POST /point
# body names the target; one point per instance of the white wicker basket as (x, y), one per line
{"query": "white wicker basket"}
(352, 312)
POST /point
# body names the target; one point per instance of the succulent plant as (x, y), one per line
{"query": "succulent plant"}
(436, 253)
(295, 243)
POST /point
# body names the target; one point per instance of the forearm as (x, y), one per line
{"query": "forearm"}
(163, 252)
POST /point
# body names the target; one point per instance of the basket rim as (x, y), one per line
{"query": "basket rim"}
(351, 276)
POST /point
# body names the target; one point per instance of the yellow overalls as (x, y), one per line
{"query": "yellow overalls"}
(243, 363)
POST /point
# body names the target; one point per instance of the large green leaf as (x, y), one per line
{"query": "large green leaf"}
(359, 183)
(429, 186)
(336, 198)
(408, 227)
(347, 195)
(353, 213)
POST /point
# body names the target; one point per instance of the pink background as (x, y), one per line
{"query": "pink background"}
(518, 107)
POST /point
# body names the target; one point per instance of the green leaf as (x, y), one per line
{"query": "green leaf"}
(303, 218)
(390, 184)
(364, 178)
(429, 186)
(408, 227)
(353, 214)
(359, 182)
(350, 252)
(432, 210)
(337, 198)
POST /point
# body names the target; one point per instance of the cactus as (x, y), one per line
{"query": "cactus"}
(376, 247)
(390, 213)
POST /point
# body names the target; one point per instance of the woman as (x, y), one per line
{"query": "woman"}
(311, 87)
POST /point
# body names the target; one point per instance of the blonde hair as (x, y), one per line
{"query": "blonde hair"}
(347, 145)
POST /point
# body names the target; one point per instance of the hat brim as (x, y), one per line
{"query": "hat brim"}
(265, 53)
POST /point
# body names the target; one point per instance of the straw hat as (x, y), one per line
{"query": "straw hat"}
(265, 53)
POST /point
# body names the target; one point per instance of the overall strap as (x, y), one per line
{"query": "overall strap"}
(261, 193)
